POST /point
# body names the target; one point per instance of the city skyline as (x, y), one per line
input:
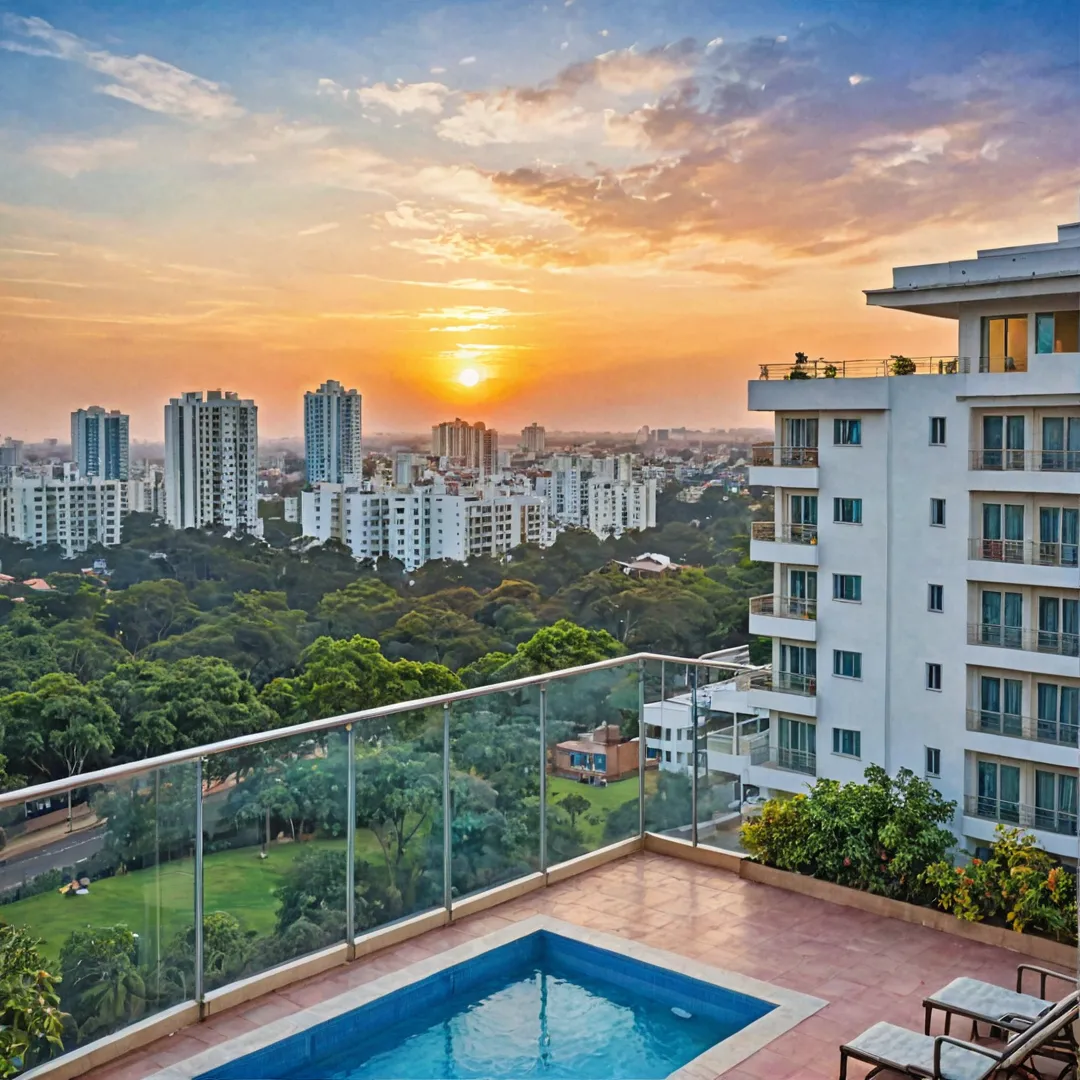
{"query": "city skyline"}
(462, 209)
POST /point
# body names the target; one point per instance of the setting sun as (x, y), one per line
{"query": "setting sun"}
(469, 377)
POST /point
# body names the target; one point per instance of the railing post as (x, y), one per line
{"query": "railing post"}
(448, 894)
(642, 756)
(350, 842)
(693, 755)
(200, 990)
(543, 779)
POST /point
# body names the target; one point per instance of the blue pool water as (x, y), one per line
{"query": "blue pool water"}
(543, 1005)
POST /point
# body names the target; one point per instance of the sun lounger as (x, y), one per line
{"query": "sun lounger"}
(986, 1003)
(888, 1047)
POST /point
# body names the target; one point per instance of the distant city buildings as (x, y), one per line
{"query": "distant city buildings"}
(211, 462)
(332, 434)
(64, 508)
(418, 524)
(99, 442)
(533, 439)
(472, 446)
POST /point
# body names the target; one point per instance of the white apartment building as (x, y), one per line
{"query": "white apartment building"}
(615, 506)
(533, 439)
(99, 442)
(473, 446)
(71, 511)
(333, 449)
(925, 610)
(211, 462)
(146, 495)
(562, 488)
(418, 524)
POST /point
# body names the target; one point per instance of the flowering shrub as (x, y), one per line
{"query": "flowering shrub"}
(1020, 884)
(879, 836)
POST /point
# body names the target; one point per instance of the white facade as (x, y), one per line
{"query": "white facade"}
(473, 446)
(925, 600)
(615, 506)
(333, 449)
(99, 442)
(211, 462)
(416, 525)
(533, 439)
(146, 495)
(72, 511)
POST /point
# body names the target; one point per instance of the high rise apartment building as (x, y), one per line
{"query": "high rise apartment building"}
(418, 524)
(211, 462)
(64, 508)
(332, 435)
(472, 446)
(925, 610)
(99, 442)
(617, 506)
(533, 439)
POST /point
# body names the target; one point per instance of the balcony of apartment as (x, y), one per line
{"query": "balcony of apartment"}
(1005, 812)
(1049, 470)
(1047, 652)
(784, 616)
(1056, 733)
(786, 543)
(1025, 562)
(784, 691)
(783, 466)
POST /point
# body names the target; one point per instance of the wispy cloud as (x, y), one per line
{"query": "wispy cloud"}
(70, 157)
(315, 230)
(402, 97)
(140, 80)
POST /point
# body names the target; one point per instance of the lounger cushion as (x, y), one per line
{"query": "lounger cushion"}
(985, 999)
(887, 1043)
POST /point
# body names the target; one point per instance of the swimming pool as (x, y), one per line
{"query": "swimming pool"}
(541, 998)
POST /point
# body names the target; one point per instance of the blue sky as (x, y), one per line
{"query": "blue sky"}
(264, 195)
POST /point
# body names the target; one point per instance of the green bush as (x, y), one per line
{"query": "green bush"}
(879, 836)
(1020, 885)
(31, 1021)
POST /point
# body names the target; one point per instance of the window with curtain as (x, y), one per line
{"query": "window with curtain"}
(847, 664)
(846, 742)
(847, 432)
(998, 791)
(1057, 332)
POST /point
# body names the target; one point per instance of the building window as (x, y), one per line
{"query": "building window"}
(935, 598)
(937, 512)
(933, 761)
(1057, 331)
(933, 676)
(667, 734)
(847, 511)
(937, 430)
(847, 587)
(667, 756)
(846, 664)
(847, 743)
(847, 432)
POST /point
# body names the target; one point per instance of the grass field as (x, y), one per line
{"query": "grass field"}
(158, 902)
(603, 799)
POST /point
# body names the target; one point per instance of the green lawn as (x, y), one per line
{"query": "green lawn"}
(157, 903)
(603, 800)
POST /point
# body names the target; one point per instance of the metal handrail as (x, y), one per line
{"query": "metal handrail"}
(788, 682)
(867, 368)
(1055, 642)
(992, 808)
(1005, 460)
(311, 727)
(766, 454)
(784, 607)
(1031, 552)
(1023, 727)
(784, 534)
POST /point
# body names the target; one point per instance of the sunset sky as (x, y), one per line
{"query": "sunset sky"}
(611, 212)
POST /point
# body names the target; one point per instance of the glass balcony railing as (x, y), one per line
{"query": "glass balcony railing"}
(867, 368)
(1058, 731)
(770, 532)
(1055, 642)
(784, 607)
(1029, 552)
(791, 456)
(226, 863)
(1006, 812)
(996, 460)
(789, 682)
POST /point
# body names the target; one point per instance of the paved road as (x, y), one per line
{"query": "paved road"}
(63, 852)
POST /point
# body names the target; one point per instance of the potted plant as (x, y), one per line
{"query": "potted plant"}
(799, 371)
(902, 365)
(829, 371)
